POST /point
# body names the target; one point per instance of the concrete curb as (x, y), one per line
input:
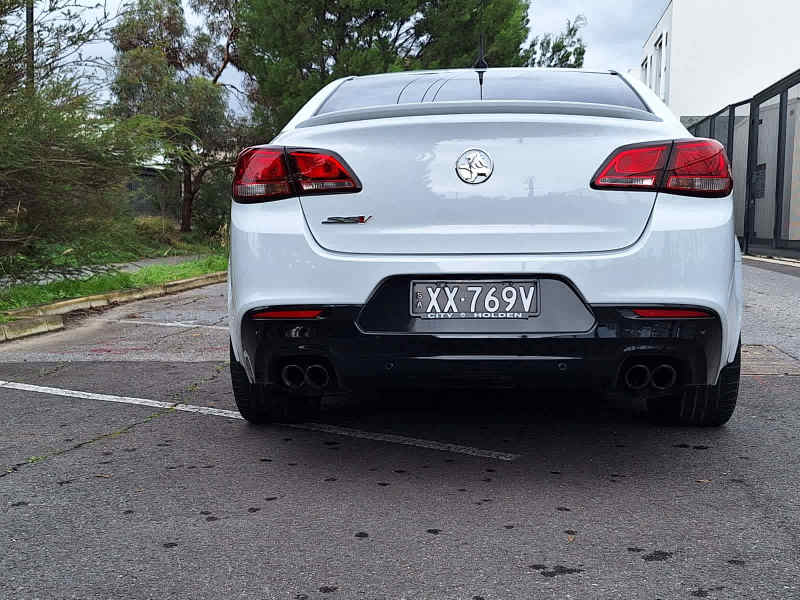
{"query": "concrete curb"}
(789, 262)
(30, 326)
(47, 317)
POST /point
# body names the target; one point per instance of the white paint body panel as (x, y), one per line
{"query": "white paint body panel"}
(536, 201)
(680, 250)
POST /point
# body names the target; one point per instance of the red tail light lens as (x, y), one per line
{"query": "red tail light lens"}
(261, 174)
(274, 172)
(639, 167)
(286, 314)
(318, 173)
(671, 313)
(697, 167)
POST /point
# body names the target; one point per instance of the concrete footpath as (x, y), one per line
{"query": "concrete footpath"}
(132, 267)
(126, 267)
(44, 318)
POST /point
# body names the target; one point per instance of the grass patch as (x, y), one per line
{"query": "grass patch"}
(23, 296)
(157, 274)
(103, 242)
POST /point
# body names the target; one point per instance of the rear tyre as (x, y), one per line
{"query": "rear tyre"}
(713, 405)
(703, 405)
(259, 404)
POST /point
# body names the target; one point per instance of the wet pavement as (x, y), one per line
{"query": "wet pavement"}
(484, 495)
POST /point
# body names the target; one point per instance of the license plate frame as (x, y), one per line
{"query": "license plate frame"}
(485, 284)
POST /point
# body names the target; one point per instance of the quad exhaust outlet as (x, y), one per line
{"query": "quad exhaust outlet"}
(317, 377)
(662, 377)
(637, 377)
(293, 376)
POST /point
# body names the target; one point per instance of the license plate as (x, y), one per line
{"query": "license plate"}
(475, 299)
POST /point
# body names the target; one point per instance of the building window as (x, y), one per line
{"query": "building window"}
(665, 78)
(658, 58)
(644, 72)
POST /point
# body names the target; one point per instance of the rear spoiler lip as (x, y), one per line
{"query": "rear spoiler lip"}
(479, 107)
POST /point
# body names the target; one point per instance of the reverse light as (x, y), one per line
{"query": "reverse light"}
(286, 314)
(696, 167)
(671, 313)
(268, 173)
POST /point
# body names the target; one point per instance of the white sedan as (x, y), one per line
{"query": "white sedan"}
(533, 228)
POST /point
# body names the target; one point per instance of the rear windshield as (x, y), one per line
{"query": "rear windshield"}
(518, 84)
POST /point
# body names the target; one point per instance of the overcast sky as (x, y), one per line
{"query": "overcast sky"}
(614, 34)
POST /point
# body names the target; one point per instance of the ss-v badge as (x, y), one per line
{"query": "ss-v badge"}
(346, 220)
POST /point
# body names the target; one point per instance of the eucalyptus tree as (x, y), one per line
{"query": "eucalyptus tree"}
(174, 73)
(291, 49)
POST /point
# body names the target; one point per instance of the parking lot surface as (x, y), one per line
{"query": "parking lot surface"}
(126, 473)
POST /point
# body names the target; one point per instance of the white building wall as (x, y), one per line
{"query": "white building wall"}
(790, 228)
(723, 51)
(657, 56)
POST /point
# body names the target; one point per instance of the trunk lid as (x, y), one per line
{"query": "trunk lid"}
(537, 199)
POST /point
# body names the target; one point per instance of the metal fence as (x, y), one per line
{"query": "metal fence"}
(762, 138)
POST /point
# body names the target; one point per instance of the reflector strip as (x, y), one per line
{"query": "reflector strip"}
(287, 314)
(671, 313)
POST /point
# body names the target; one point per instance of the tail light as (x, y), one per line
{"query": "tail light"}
(286, 314)
(671, 313)
(261, 174)
(697, 167)
(273, 172)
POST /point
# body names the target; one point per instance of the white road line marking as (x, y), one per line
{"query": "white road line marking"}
(27, 387)
(406, 441)
(163, 324)
(232, 414)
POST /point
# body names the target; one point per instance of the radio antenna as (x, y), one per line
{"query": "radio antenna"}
(481, 65)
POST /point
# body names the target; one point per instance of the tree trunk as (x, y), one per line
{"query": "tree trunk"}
(188, 197)
(29, 57)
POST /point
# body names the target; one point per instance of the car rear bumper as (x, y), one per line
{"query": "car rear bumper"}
(685, 257)
(594, 359)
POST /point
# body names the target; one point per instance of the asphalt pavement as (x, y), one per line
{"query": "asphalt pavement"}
(125, 473)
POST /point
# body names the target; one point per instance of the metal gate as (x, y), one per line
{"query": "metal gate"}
(762, 138)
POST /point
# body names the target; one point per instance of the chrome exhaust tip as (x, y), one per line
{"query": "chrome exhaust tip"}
(317, 376)
(637, 377)
(663, 377)
(293, 376)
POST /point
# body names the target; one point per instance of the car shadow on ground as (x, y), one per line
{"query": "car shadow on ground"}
(568, 431)
(469, 407)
